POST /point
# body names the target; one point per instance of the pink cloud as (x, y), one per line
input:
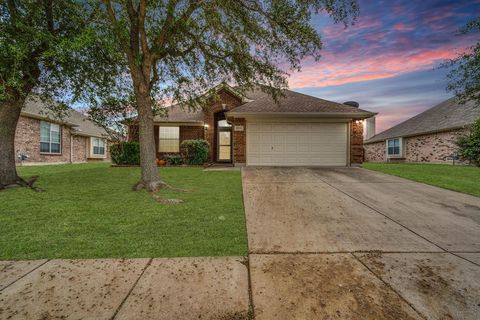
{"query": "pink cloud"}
(403, 27)
(340, 69)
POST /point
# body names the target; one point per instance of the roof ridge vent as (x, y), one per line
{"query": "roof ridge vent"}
(354, 104)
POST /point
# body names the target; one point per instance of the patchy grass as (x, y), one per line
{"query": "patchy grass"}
(89, 211)
(464, 179)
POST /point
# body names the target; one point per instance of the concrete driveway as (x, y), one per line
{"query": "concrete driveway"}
(348, 243)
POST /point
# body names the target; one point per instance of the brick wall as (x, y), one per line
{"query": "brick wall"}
(432, 148)
(239, 141)
(27, 140)
(356, 142)
(80, 146)
(375, 152)
(230, 102)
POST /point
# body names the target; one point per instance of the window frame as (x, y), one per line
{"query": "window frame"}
(400, 147)
(168, 139)
(50, 138)
(92, 148)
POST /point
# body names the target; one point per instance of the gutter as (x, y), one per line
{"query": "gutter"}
(353, 115)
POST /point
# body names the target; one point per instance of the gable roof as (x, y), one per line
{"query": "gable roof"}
(296, 103)
(445, 116)
(81, 125)
(258, 102)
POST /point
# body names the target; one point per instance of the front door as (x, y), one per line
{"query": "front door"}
(224, 151)
(224, 141)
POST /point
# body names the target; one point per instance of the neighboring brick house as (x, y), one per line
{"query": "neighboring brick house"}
(43, 138)
(428, 137)
(252, 129)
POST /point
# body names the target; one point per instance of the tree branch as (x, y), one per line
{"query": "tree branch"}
(49, 15)
(114, 22)
(141, 26)
(12, 7)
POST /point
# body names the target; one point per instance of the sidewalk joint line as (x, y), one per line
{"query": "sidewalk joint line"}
(131, 289)
(389, 286)
(26, 274)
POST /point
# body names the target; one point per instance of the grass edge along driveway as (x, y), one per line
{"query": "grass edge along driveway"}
(89, 211)
(464, 179)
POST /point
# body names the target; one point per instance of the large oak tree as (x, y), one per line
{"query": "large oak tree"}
(47, 48)
(177, 49)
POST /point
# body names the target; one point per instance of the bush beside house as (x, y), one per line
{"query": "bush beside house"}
(469, 144)
(125, 153)
(195, 152)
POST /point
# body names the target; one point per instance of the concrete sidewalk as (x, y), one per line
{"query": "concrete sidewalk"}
(179, 288)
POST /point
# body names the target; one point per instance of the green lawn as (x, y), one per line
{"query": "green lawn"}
(464, 179)
(89, 211)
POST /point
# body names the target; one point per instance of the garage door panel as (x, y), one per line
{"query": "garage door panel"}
(294, 144)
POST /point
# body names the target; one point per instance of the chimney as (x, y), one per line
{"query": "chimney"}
(369, 129)
(354, 104)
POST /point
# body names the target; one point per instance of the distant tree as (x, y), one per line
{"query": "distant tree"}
(179, 48)
(47, 47)
(464, 76)
(469, 144)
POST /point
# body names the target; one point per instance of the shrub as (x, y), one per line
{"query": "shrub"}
(469, 144)
(126, 153)
(195, 152)
(173, 159)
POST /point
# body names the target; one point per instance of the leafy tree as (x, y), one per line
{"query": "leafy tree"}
(178, 48)
(469, 144)
(464, 78)
(46, 47)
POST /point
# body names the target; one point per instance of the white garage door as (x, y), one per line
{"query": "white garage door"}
(296, 144)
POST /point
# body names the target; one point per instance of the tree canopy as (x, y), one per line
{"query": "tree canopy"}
(51, 49)
(464, 77)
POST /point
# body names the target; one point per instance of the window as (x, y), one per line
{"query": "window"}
(394, 147)
(169, 139)
(224, 124)
(49, 137)
(98, 147)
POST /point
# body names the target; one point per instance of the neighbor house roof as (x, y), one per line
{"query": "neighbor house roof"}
(35, 108)
(448, 115)
(296, 103)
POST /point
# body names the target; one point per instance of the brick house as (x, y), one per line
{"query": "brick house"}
(428, 137)
(44, 139)
(252, 129)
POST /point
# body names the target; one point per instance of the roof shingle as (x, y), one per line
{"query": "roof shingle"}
(445, 116)
(294, 102)
(81, 124)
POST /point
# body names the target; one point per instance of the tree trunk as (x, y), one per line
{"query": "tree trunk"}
(150, 179)
(9, 115)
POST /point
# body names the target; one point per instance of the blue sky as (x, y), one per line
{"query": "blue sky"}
(388, 61)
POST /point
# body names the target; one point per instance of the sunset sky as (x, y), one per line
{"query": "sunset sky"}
(388, 61)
